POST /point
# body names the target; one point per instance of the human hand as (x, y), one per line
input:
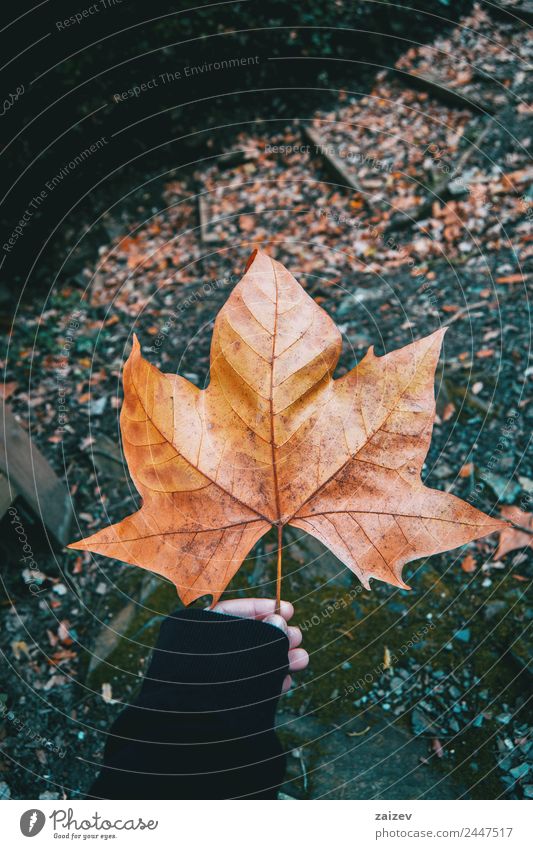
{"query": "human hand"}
(263, 609)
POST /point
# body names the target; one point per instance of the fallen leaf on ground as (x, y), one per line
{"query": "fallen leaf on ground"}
(7, 389)
(511, 537)
(19, 648)
(247, 223)
(510, 278)
(436, 745)
(448, 412)
(274, 441)
(468, 564)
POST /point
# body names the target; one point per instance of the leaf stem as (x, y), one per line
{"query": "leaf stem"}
(278, 581)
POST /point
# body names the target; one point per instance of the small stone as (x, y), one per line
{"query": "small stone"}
(421, 724)
(5, 792)
(463, 635)
(494, 608)
(520, 771)
(98, 405)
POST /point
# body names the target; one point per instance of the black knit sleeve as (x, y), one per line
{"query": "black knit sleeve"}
(202, 724)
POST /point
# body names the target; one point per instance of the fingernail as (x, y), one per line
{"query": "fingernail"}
(276, 621)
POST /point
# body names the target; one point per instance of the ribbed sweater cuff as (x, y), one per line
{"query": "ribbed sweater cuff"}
(206, 661)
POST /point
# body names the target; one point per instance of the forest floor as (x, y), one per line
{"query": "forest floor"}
(400, 211)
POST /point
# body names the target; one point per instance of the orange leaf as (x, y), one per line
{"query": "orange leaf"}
(510, 278)
(436, 745)
(274, 441)
(247, 223)
(7, 389)
(448, 412)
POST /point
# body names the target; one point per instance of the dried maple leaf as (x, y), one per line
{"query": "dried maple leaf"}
(511, 537)
(274, 440)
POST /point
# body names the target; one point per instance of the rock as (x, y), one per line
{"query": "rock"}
(383, 763)
(106, 454)
(520, 771)
(494, 608)
(463, 635)
(98, 406)
(110, 634)
(349, 304)
(505, 488)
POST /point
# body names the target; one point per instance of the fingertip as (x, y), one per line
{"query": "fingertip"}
(287, 684)
(286, 610)
(278, 622)
(295, 636)
(298, 660)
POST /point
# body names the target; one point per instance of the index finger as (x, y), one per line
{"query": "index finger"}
(254, 608)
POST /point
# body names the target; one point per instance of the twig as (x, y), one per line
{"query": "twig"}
(358, 733)
(460, 313)
(108, 456)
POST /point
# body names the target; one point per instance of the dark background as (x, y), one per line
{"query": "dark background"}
(70, 75)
